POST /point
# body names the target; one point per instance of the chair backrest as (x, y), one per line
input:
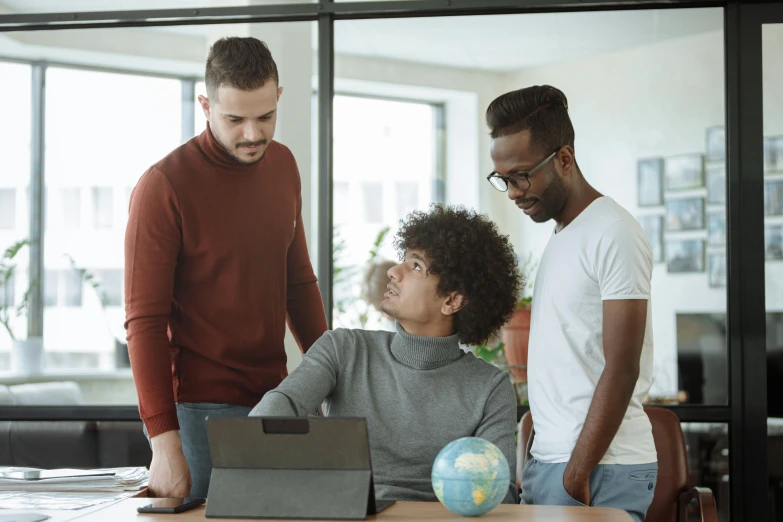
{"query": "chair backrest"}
(525, 427)
(673, 476)
(672, 461)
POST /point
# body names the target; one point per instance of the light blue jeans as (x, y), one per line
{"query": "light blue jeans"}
(193, 433)
(628, 487)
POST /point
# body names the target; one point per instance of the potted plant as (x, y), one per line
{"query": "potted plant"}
(121, 357)
(26, 353)
(516, 333)
(348, 279)
(494, 353)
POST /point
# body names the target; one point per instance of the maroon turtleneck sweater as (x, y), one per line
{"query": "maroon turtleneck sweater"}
(215, 263)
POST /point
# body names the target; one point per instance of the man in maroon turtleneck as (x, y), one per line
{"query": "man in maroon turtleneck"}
(215, 263)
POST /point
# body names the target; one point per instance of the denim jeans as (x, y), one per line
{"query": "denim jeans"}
(193, 434)
(628, 487)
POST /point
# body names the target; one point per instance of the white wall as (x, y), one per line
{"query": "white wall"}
(655, 100)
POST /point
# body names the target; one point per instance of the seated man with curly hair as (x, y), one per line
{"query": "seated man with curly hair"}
(457, 282)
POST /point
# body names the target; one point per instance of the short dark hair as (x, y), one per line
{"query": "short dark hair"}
(471, 257)
(242, 63)
(540, 109)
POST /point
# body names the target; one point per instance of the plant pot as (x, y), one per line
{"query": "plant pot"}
(27, 356)
(121, 357)
(516, 335)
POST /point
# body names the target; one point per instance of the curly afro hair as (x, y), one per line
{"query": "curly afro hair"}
(471, 257)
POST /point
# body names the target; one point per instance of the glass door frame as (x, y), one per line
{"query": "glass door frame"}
(746, 281)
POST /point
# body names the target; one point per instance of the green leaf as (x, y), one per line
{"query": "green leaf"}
(14, 249)
(489, 354)
(376, 245)
(91, 279)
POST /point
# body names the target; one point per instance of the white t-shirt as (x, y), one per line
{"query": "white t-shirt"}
(601, 255)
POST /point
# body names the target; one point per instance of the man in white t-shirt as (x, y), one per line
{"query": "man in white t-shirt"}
(590, 356)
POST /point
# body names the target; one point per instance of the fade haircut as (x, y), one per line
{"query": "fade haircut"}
(242, 63)
(541, 109)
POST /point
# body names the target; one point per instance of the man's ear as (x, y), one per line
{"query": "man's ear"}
(205, 106)
(566, 158)
(453, 304)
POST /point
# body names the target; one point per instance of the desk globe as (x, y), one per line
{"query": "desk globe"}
(470, 476)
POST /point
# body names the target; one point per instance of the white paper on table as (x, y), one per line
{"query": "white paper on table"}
(124, 479)
(56, 500)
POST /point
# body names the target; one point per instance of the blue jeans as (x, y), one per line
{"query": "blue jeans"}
(193, 434)
(628, 487)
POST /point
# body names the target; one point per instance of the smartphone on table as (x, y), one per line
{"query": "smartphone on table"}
(171, 505)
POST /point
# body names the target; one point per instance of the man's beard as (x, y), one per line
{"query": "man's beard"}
(242, 144)
(388, 310)
(552, 199)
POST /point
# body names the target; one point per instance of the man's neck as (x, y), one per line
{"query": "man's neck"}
(582, 194)
(429, 329)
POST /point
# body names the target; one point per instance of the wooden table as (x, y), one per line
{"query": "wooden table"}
(125, 511)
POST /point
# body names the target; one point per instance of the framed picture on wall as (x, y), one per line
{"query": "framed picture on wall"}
(653, 227)
(716, 228)
(716, 143)
(650, 182)
(773, 198)
(773, 154)
(716, 183)
(684, 172)
(773, 243)
(684, 214)
(716, 269)
(685, 255)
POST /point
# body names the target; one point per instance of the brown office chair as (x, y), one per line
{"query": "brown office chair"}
(673, 493)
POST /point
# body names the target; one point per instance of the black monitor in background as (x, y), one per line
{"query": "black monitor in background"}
(702, 362)
(703, 369)
(286, 467)
(775, 364)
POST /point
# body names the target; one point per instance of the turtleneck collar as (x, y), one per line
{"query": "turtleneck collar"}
(219, 156)
(424, 353)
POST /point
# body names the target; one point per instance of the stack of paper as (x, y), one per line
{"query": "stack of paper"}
(114, 480)
(57, 499)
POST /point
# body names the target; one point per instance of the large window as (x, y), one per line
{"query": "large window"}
(199, 120)
(385, 165)
(99, 141)
(14, 204)
(101, 131)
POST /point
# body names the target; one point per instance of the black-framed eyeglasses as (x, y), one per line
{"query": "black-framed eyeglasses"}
(521, 180)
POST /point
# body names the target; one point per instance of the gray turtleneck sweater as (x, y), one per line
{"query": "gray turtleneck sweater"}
(416, 393)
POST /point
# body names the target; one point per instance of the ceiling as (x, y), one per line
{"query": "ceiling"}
(499, 43)
(504, 43)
